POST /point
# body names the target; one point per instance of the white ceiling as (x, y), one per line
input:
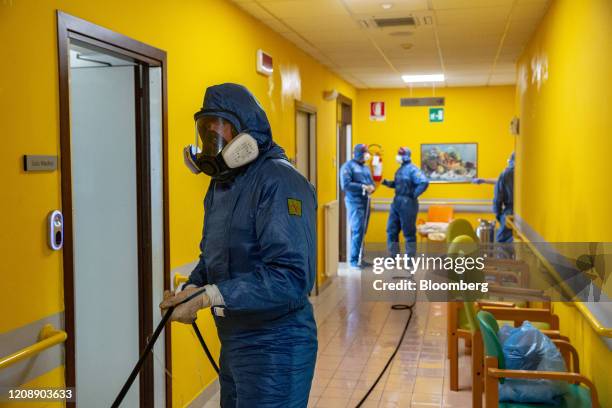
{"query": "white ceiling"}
(473, 42)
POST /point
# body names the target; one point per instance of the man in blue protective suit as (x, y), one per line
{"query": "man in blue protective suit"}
(257, 255)
(503, 201)
(409, 183)
(356, 182)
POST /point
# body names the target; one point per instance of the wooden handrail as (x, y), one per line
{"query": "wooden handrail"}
(48, 337)
(588, 315)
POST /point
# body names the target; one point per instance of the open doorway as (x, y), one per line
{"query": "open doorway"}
(114, 197)
(306, 141)
(344, 134)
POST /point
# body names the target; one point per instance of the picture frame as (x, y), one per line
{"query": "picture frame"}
(449, 162)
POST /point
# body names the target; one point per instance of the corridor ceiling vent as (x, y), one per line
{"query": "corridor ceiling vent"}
(401, 33)
(395, 22)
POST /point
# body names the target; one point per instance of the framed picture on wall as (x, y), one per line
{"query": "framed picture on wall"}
(450, 162)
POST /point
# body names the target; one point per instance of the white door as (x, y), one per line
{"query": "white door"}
(105, 224)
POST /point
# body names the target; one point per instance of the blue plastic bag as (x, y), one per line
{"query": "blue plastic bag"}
(526, 348)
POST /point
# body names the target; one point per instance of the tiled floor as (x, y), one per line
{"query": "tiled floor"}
(356, 339)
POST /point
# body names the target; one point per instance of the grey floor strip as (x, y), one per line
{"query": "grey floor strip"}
(206, 395)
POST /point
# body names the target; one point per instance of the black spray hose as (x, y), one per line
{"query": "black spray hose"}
(394, 307)
(151, 343)
(213, 363)
(399, 343)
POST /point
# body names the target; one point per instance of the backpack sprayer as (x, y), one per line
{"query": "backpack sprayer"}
(151, 343)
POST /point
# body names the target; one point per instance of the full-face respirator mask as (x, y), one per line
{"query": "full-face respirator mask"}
(219, 149)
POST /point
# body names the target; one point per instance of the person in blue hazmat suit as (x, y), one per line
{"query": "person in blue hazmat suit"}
(503, 201)
(357, 183)
(257, 255)
(409, 183)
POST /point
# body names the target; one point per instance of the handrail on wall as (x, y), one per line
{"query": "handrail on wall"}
(588, 315)
(329, 204)
(425, 201)
(49, 336)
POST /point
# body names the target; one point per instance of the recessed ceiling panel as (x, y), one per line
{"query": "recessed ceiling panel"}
(472, 42)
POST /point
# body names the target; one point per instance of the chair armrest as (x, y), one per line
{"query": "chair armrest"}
(555, 335)
(495, 303)
(567, 348)
(548, 375)
(499, 275)
(530, 293)
(520, 314)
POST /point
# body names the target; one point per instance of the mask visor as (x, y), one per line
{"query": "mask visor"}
(214, 133)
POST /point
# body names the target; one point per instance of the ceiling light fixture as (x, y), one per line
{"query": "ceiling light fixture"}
(386, 6)
(411, 79)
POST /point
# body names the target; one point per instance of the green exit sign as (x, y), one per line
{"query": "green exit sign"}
(436, 114)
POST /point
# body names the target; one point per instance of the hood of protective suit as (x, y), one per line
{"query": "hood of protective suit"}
(406, 154)
(237, 104)
(511, 160)
(359, 152)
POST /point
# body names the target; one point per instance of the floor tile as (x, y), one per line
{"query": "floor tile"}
(356, 338)
(428, 385)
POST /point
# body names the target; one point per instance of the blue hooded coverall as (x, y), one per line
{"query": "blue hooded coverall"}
(259, 247)
(503, 201)
(409, 183)
(354, 175)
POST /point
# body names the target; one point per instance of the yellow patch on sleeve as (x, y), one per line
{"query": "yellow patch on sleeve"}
(294, 207)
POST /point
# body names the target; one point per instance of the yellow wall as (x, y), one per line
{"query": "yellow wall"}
(208, 42)
(472, 114)
(563, 152)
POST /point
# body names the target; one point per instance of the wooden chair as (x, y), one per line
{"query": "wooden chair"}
(505, 312)
(495, 371)
(436, 213)
(440, 213)
(461, 322)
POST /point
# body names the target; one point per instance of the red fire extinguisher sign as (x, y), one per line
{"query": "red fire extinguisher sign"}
(377, 111)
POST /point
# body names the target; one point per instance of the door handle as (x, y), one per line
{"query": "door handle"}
(56, 230)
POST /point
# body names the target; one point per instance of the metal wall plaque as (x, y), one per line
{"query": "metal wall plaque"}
(39, 163)
(408, 102)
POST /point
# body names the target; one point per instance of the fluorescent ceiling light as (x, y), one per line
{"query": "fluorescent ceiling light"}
(410, 79)
(386, 6)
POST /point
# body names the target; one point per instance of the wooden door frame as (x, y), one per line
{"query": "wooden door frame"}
(311, 111)
(313, 174)
(344, 116)
(73, 28)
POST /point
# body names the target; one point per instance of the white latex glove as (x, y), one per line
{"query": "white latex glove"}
(186, 312)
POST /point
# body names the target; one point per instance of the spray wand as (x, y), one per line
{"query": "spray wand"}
(151, 343)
